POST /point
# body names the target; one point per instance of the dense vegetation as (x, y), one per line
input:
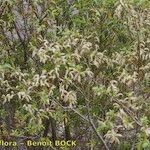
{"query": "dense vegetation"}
(75, 70)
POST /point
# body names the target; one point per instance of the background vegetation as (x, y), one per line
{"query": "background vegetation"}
(75, 69)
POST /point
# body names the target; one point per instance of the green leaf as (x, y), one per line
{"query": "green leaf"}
(5, 67)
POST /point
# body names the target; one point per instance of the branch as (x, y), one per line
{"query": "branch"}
(89, 120)
(129, 112)
(94, 128)
(70, 108)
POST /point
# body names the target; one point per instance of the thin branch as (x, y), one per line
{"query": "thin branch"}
(94, 128)
(70, 108)
(129, 112)
(89, 120)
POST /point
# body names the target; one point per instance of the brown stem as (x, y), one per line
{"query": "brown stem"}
(67, 128)
(47, 123)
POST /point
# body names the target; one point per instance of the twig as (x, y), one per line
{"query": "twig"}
(94, 128)
(129, 113)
